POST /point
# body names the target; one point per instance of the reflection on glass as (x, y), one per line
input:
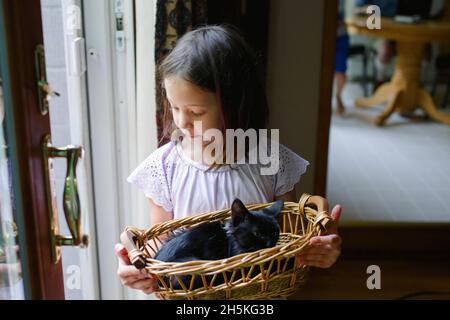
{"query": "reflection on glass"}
(11, 285)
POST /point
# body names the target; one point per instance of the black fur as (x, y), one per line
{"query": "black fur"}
(246, 231)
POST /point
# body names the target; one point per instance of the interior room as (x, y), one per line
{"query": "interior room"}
(358, 92)
(396, 172)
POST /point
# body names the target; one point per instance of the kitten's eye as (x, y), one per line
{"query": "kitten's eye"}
(257, 234)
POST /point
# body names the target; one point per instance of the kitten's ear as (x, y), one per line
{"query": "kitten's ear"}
(275, 209)
(238, 212)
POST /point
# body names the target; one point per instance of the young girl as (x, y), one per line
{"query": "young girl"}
(211, 76)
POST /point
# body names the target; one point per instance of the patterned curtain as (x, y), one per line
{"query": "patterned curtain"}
(173, 19)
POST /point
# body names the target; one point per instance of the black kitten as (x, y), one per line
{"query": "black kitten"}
(246, 231)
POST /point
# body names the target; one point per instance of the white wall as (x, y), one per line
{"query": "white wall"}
(294, 64)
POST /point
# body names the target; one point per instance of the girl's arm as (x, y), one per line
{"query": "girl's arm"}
(288, 196)
(158, 214)
(128, 274)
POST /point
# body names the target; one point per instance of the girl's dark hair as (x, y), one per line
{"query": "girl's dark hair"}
(217, 59)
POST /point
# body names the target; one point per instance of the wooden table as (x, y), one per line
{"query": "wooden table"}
(404, 93)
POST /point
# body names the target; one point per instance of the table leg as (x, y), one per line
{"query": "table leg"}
(392, 105)
(381, 95)
(403, 91)
(426, 102)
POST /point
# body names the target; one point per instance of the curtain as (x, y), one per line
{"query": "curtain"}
(173, 19)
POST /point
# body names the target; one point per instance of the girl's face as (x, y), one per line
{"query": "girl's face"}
(189, 103)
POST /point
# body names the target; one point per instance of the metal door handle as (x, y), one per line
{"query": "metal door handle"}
(71, 202)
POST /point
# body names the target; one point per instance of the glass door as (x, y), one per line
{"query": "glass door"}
(11, 281)
(33, 233)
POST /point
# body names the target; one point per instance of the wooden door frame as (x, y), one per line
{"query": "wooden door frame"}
(330, 11)
(23, 28)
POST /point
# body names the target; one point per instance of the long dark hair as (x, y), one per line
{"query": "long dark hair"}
(217, 59)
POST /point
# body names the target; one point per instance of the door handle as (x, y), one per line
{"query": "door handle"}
(71, 201)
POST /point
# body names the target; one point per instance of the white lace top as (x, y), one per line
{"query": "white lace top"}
(179, 185)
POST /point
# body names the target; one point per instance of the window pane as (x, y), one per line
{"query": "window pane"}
(11, 285)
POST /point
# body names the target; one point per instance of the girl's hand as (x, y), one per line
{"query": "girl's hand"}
(325, 249)
(131, 276)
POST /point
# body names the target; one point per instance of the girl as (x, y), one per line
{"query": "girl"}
(211, 76)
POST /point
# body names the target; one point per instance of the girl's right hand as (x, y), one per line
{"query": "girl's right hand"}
(132, 277)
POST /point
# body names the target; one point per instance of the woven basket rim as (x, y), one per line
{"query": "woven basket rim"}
(244, 260)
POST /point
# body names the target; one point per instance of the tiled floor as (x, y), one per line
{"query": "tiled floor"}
(399, 172)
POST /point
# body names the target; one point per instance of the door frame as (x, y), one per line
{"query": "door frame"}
(97, 19)
(23, 27)
(121, 107)
(330, 10)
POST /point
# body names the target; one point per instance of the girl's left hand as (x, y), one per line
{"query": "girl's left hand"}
(325, 249)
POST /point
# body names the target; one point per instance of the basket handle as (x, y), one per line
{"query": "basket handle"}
(322, 218)
(129, 239)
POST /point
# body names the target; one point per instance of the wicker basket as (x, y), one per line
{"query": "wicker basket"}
(272, 279)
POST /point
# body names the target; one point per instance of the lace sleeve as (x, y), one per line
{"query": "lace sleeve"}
(292, 167)
(152, 178)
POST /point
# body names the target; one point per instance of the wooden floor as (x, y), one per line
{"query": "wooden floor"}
(412, 259)
(347, 280)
